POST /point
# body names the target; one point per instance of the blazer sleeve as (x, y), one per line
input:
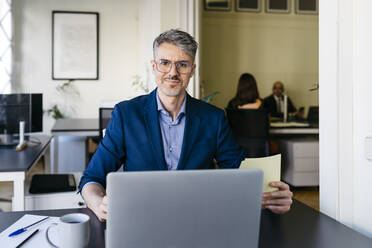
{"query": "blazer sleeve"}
(110, 154)
(228, 154)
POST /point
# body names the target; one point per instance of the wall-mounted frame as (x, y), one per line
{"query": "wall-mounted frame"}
(307, 6)
(75, 50)
(248, 5)
(278, 6)
(224, 5)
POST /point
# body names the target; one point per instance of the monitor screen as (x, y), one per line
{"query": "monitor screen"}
(104, 119)
(21, 107)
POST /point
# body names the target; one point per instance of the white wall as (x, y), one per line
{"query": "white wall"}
(118, 52)
(127, 30)
(345, 119)
(157, 16)
(270, 46)
(149, 20)
(363, 118)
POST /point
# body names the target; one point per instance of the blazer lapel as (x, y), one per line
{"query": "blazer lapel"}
(191, 132)
(153, 130)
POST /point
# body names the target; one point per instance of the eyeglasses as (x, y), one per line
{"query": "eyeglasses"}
(165, 66)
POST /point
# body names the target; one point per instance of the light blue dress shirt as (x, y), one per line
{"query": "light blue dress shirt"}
(172, 133)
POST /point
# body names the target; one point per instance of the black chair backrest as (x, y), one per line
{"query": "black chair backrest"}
(313, 115)
(249, 123)
(251, 130)
(104, 119)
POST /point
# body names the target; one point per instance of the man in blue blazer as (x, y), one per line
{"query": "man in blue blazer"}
(167, 130)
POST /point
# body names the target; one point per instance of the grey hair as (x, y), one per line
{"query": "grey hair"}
(179, 38)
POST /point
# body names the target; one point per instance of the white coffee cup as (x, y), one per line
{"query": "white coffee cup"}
(73, 231)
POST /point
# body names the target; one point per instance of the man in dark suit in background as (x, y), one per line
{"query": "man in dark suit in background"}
(275, 102)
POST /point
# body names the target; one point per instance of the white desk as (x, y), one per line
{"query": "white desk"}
(69, 144)
(14, 166)
(300, 154)
(58, 200)
(300, 161)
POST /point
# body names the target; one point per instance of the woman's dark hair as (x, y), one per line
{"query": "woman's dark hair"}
(247, 91)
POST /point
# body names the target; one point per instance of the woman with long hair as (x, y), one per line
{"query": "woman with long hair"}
(247, 96)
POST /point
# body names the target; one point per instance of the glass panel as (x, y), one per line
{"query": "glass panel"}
(217, 3)
(278, 4)
(307, 5)
(250, 4)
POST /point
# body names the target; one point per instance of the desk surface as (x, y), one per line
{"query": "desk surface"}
(12, 160)
(92, 125)
(294, 130)
(78, 125)
(306, 228)
(301, 227)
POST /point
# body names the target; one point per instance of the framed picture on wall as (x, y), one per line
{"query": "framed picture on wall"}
(223, 5)
(278, 6)
(75, 45)
(248, 5)
(307, 6)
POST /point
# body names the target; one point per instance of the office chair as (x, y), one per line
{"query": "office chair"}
(104, 119)
(313, 115)
(251, 130)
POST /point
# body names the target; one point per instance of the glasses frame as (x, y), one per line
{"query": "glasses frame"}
(173, 63)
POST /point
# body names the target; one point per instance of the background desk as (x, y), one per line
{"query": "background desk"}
(299, 147)
(69, 144)
(293, 130)
(14, 166)
(301, 227)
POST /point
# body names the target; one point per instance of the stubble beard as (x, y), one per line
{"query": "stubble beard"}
(174, 92)
(171, 91)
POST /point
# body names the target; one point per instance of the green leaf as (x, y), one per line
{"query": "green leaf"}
(209, 97)
(55, 112)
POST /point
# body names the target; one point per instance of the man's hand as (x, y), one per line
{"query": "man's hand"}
(101, 211)
(279, 201)
(95, 197)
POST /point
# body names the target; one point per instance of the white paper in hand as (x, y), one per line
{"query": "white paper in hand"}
(270, 167)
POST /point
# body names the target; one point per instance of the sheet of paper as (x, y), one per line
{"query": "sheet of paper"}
(270, 166)
(38, 240)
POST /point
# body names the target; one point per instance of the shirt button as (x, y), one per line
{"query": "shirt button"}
(170, 149)
(170, 126)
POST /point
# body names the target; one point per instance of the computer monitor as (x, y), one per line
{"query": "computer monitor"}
(19, 107)
(313, 115)
(104, 119)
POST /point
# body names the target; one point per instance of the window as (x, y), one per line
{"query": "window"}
(6, 52)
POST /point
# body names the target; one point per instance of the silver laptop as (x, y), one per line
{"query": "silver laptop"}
(169, 209)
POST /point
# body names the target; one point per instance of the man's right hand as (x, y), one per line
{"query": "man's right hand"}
(101, 212)
(95, 198)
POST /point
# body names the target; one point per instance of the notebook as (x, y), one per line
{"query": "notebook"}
(38, 240)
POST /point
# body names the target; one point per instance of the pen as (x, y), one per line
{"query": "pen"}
(24, 241)
(25, 228)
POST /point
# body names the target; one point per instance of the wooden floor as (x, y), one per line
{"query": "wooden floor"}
(307, 195)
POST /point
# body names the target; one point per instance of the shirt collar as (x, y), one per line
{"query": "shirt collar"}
(163, 110)
(277, 98)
